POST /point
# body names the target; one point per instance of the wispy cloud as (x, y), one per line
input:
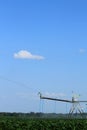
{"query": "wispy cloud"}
(35, 96)
(24, 54)
(81, 50)
(24, 95)
(54, 94)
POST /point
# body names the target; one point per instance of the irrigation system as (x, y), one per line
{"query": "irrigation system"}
(74, 101)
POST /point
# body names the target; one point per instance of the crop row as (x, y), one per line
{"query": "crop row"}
(42, 124)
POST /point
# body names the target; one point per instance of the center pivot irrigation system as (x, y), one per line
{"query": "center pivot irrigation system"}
(75, 103)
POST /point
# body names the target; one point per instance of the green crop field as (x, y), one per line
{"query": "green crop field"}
(14, 123)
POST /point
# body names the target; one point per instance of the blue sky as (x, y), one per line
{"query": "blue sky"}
(43, 47)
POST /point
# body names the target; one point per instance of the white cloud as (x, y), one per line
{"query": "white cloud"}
(81, 50)
(23, 54)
